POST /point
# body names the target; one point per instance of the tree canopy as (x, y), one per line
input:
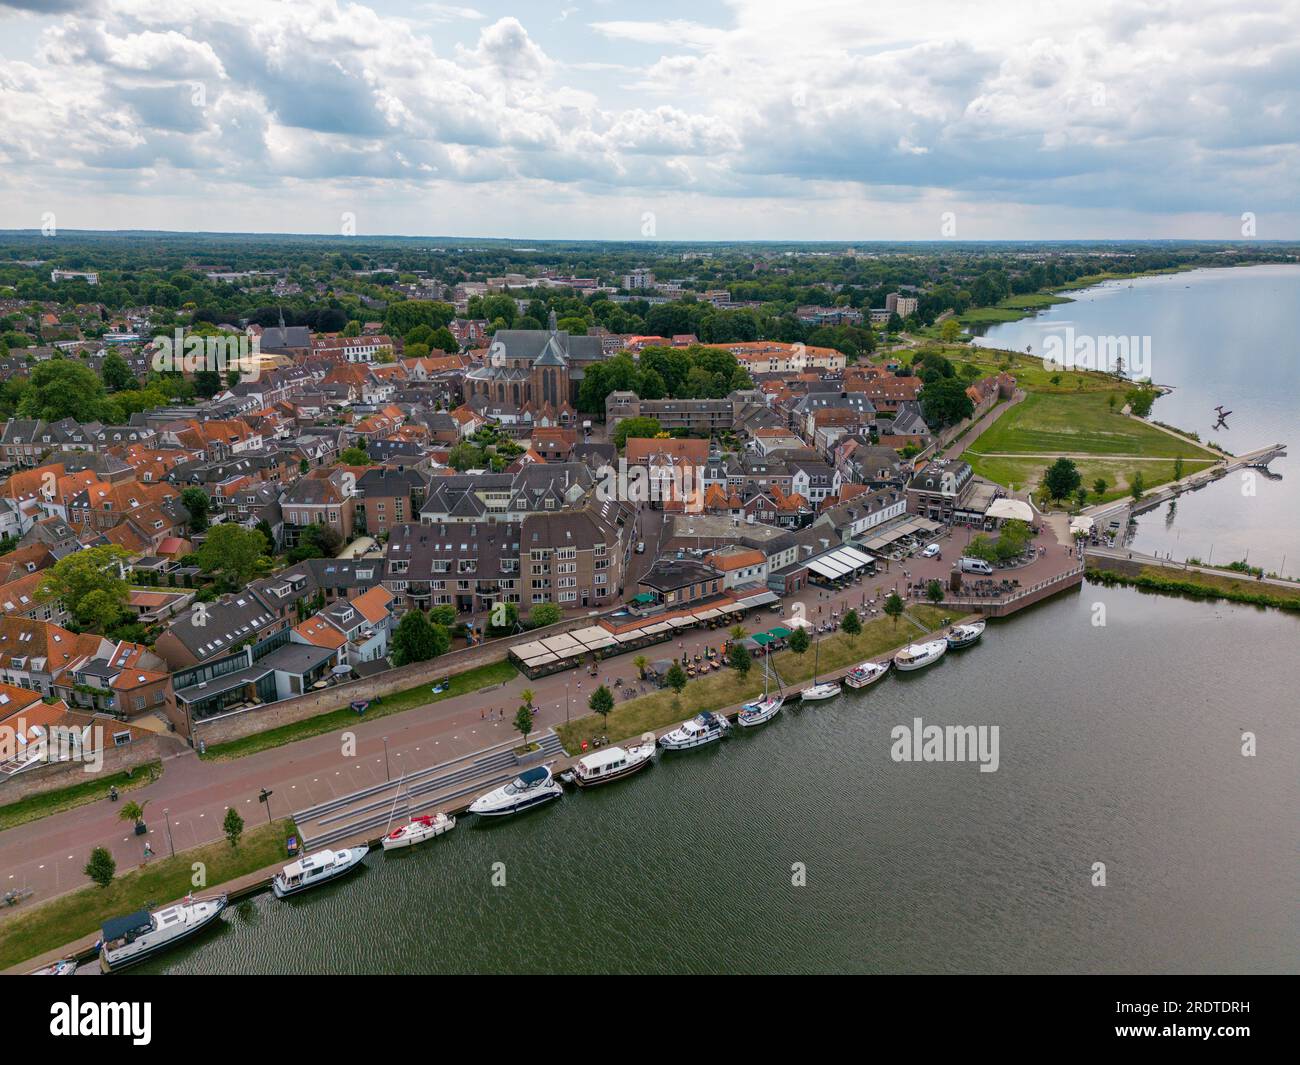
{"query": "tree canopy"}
(91, 586)
(237, 555)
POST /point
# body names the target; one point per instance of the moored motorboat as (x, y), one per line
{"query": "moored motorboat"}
(918, 655)
(137, 936)
(530, 788)
(417, 830)
(965, 635)
(613, 763)
(866, 674)
(316, 869)
(62, 967)
(704, 728)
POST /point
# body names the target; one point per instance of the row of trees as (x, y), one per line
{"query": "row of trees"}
(697, 372)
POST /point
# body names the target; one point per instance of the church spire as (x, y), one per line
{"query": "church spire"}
(550, 321)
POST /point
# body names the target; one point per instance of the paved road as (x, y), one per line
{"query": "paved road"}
(48, 855)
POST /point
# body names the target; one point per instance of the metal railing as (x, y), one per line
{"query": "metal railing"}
(1003, 600)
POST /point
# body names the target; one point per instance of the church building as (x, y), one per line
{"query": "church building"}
(533, 375)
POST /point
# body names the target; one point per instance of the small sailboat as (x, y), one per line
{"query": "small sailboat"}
(760, 711)
(530, 788)
(867, 674)
(919, 655)
(965, 635)
(817, 692)
(316, 869)
(417, 830)
(705, 727)
(613, 763)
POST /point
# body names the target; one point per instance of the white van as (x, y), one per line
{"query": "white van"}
(975, 565)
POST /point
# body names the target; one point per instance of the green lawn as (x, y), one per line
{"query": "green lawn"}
(728, 688)
(92, 789)
(1081, 423)
(28, 931)
(1012, 308)
(1111, 275)
(1173, 581)
(421, 695)
(1025, 474)
(1028, 370)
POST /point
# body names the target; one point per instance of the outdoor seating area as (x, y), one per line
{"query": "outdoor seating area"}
(838, 568)
(774, 639)
(567, 650)
(902, 539)
(984, 588)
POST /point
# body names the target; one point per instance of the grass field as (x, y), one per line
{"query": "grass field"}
(1028, 370)
(90, 790)
(728, 688)
(1012, 308)
(1202, 586)
(1024, 474)
(29, 931)
(421, 695)
(1079, 424)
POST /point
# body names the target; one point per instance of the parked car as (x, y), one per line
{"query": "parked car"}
(932, 552)
(640, 547)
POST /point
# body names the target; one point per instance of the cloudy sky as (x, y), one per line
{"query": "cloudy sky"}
(707, 119)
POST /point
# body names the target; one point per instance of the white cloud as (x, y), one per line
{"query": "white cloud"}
(1133, 110)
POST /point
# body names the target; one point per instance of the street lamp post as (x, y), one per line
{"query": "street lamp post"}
(387, 771)
(171, 845)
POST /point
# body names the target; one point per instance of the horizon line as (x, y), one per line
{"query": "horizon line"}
(651, 242)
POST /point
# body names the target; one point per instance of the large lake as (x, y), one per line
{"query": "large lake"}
(1119, 744)
(1226, 338)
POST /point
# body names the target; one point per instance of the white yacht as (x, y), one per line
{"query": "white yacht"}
(137, 936)
(965, 635)
(613, 763)
(918, 655)
(316, 869)
(530, 788)
(866, 674)
(815, 692)
(760, 711)
(417, 830)
(703, 728)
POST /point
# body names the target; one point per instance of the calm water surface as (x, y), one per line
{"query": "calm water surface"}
(1118, 744)
(1226, 338)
